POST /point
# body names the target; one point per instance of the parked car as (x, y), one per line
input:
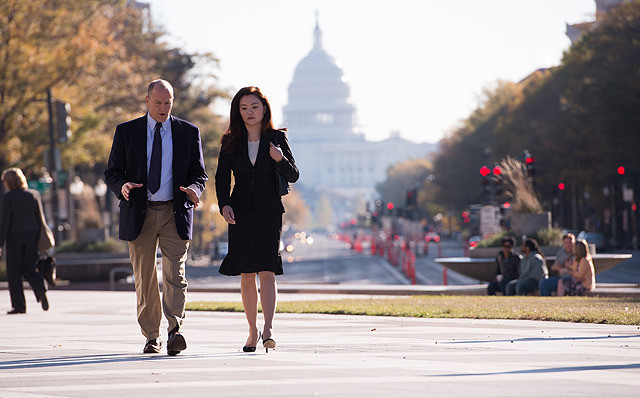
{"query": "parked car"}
(575, 232)
(432, 237)
(473, 241)
(594, 238)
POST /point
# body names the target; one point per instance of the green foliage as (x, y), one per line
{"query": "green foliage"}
(548, 237)
(544, 237)
(110, 245)
(615, 311)
(581, 113)
(495, 239)
(410, 174)
(3, 271)
(99, 56)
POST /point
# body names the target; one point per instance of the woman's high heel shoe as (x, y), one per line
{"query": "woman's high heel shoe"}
(268, 343)
(252, 348)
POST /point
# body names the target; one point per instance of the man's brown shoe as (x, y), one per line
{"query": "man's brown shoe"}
(175, 343)
(153, 346)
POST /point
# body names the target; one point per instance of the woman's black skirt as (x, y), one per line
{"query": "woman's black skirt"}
(254, 244)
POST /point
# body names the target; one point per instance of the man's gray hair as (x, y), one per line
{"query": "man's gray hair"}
(160, 82)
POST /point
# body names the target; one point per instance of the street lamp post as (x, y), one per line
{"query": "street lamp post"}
(53, 169)
(101, 192)
(75, 189)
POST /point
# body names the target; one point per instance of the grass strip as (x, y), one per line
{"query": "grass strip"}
(615, 311)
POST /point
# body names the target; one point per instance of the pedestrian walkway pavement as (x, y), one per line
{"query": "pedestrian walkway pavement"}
(89, 344)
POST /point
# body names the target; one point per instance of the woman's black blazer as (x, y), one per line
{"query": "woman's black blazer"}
(254, 185)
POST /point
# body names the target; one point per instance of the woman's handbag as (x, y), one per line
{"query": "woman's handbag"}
(282, 185)
(45, 240)
(46, 266)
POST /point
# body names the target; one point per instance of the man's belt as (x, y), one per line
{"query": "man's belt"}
(159, 202)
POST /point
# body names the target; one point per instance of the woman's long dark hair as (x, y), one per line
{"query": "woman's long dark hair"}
(533, 245)
(237, 130)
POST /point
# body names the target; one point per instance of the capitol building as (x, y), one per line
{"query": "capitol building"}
(334, 158)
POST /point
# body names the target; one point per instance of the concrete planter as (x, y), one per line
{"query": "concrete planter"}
(492, 252)
(484, 252)
(78, 267)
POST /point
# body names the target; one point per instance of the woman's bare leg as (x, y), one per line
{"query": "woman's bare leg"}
(249, 293)
(561, 289)
(268, 299)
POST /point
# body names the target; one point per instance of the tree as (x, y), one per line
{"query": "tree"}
(579, 118)
(297, 211)
(78, 52)
(411, 174)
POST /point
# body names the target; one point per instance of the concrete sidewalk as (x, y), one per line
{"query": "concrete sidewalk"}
(89, 344)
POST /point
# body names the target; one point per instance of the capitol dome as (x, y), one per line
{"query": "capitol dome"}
(319, 106)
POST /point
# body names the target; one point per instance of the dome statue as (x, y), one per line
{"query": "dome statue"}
(319, 107)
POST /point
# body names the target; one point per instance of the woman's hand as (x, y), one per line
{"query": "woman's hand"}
(227, 213)
(275, 152)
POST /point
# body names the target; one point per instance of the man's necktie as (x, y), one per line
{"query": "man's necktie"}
(155, 168)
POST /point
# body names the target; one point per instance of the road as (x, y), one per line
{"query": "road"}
(326, 261)
(329, 261)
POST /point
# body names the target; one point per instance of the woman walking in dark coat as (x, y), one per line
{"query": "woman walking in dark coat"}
(254, 209)
(20, 229)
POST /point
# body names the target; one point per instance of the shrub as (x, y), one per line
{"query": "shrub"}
(548, 237)
(3, 271)
(110, 245)
(495, 240)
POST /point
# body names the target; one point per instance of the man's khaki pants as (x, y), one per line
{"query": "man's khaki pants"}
(159, 229)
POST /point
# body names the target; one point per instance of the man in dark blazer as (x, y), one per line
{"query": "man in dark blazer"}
(156, 169)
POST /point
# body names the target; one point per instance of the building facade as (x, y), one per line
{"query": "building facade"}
(334, 158)
(575, 31)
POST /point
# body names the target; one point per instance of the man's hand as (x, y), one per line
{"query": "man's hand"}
(127, 187)
(193, 197)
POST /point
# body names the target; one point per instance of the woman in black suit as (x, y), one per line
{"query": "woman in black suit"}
(254, 209)
(20, 228)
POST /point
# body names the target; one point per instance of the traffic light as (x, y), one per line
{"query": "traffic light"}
(486, 184)
(63, 121)
(621, 170)
(465, 217)
(530, 162)
(411, 199)
(497, 173)
(389, 209)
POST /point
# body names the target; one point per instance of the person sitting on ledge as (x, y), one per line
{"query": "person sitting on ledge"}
(561, 266)
(533, 267)
(507, 264)
(582, 276)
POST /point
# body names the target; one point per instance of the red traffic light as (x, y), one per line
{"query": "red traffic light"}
(506, 205)
(484, 170)
(530, 160)
(561, 186)
(621, 170)
(497, 170)
(390, 205)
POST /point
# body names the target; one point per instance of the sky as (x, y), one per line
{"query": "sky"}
(418, 67)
